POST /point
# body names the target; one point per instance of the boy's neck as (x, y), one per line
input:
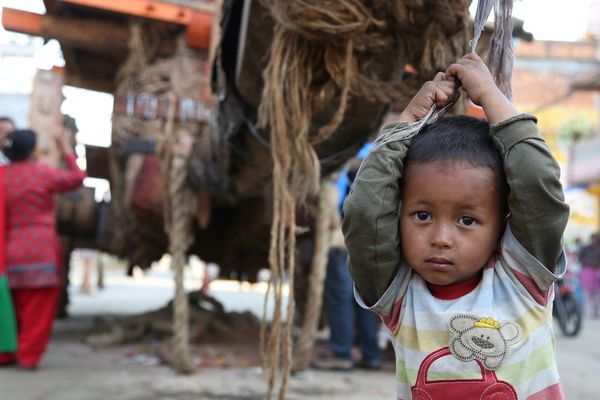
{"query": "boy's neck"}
(454, 290)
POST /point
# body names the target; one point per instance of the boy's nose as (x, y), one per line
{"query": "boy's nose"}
(441, 237)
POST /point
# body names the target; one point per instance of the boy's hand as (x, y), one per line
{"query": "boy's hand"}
(440, 91)
(479, 84)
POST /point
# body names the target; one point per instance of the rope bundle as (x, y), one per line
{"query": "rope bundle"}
(500, 53)
(322, 52)
(178, 76)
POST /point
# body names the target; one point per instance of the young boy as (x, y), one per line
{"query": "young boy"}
(454, 239)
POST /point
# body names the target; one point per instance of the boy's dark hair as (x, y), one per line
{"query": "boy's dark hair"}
(20, 145)
(7, 119)
(458, 138)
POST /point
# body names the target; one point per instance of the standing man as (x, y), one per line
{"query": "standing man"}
(345, 317)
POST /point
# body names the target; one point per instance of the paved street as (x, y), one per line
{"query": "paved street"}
(73, 371)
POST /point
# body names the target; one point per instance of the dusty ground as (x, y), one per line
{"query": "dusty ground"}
(73, 371)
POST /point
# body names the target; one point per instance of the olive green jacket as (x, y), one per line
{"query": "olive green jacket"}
(538, 213)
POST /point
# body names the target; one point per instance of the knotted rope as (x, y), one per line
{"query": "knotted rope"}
(314, 60)
(179, 76)
(180, 204)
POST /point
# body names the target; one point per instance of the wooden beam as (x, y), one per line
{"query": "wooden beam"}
(89, 34)
(157, 10)
(198, 32)
(198, 22)
(89, 82)
(22, 21)
(80, 33)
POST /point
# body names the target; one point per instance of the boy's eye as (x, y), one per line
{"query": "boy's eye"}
(422, 216)
(468, 221)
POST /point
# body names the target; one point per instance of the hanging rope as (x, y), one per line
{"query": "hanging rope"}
(325, 216)
(179, 208)
(500, 57)
(314, 60)
(401, 131)
(179, 76)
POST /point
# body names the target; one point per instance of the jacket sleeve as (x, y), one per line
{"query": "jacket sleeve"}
(538, 213)
(66, 179)
(370, 223)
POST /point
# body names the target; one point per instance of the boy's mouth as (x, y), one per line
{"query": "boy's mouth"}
(439, 262)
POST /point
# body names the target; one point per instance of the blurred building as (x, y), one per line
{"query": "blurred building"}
(584, 155)
(543, 76)
(14, 94)
(30, 96)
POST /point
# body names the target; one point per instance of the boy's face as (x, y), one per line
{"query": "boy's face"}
(450, 220)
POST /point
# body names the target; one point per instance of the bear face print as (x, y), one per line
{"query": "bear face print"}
(482, 338)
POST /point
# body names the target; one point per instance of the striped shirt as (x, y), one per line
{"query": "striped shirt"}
(497, 338)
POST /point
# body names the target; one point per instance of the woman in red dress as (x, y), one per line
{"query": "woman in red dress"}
(33, 257)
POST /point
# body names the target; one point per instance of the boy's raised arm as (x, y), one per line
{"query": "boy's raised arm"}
(538, 213)
(370, 222)
(371, 209)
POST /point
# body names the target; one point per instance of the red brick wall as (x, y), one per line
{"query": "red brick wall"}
(539, 86)
(561, 50)
(542, 87)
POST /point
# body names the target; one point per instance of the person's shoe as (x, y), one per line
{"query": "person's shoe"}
(372, 365)
(333, 364)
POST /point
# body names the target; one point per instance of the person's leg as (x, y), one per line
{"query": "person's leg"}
(368, 325)
(35, 315)
(338, 303)
(587, 283)
(86, 286)
(11, 358)
(596, 303)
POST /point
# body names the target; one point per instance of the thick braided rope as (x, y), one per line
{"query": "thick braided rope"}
(180, 238)
(178, 223)
(142, 73)
(326, 211)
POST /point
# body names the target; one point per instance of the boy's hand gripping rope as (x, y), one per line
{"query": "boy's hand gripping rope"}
(407, 130)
